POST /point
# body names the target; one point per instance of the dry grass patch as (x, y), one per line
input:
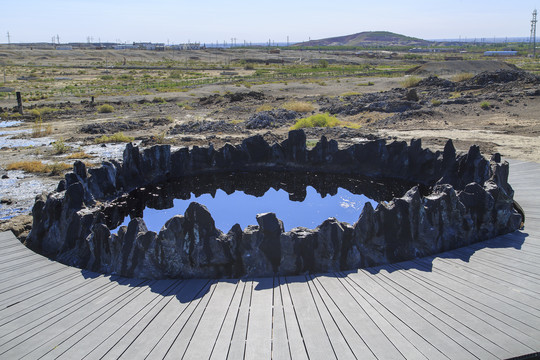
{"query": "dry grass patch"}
(410, 81)
(298, 106)
(36, 166)
(79, 155)
(265, 107)
(114, 138)
(462, 77)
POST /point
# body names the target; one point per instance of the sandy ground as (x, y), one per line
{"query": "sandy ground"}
(509, 126)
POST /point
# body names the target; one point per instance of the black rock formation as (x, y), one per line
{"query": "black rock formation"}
(470, 201)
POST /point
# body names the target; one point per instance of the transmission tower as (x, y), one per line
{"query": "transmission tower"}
(532, 41)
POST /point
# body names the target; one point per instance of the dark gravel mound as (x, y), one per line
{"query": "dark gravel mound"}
(434, 81)
(196, 127)
(112, 127)
(501, 77)
(228, 98)
(271, 119)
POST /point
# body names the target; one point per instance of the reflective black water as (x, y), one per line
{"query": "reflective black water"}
(298, 199)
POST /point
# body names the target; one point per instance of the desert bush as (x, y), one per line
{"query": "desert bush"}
(485, 105)
(60, 147)
(435, 102)
(35, 113)
(249, 67)
(298, 106)
(318, 120)
(158, 100)
(323, 63)
(106, 77)
(410, 81)
(185, 106)
(105, 108)
(114, 138)
(462, 77)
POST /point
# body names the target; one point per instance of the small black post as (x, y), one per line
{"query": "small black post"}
(19, 102)
(92, 102)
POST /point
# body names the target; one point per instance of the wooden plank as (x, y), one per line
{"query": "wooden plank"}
(99, 344)
(485, 341)
(237, 346)
(33, 333)
(395, 320)
(342, 339)
(181, 341)
(223, 341)
(482, 313)
(415, 318)
(297, 346)
(280, 341)
(206, 334)
(68, 332)
(316, 339)
(259, 331)
(406, 348)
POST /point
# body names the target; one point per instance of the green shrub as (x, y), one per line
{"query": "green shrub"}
(158, 100)
(318, 120)
(485, 105)
(105, 108)
(59, 147)
(107, 77)
(323, 63)
(435, 102)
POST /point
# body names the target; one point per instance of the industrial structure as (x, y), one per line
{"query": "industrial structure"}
(532, 41)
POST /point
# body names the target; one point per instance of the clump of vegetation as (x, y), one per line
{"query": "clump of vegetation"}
(159, 138)
(351, 93)
(158, 100)
(59, 147)
(105, 108)
(185, 106)
(485, 105)
(118, 137)
(265, 107)
(298, 106)
(462, 77)
(323, 63)
(79, 155)
(410, 81)
(36, 166)
(436, 102)
(317, 120)
(249, 67)
(107, 77)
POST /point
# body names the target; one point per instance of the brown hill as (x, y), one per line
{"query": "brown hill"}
(367, 38)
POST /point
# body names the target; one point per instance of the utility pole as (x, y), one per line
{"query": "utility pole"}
(8, 38)
(532, 41)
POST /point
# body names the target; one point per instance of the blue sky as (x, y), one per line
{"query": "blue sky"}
(208, 21)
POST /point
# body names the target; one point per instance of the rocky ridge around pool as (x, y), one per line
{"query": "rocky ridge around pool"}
(471, 201)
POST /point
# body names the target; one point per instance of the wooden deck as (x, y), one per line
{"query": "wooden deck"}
(482, 302)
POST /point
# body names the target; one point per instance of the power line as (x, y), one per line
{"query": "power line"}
(532, 40)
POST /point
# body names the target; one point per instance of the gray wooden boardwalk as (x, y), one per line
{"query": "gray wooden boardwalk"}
(482, 302)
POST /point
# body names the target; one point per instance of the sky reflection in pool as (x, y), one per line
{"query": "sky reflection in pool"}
(240, 208)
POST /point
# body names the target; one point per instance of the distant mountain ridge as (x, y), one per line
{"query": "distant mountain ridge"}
(367, 38)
